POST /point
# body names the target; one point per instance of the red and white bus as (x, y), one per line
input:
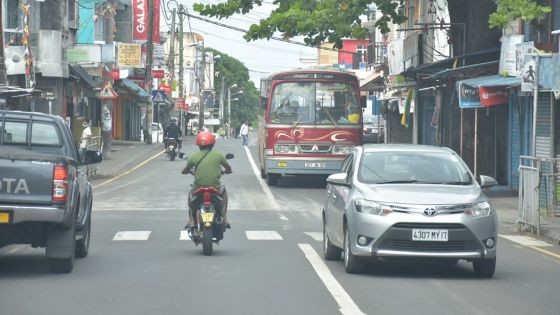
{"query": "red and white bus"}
(312, 119)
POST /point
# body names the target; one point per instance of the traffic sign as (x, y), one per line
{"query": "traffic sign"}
(107, 93)
(159, 97)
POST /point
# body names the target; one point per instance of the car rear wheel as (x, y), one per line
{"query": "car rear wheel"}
(82, 244)
(330, 252)
(352, 264)
(484, 268)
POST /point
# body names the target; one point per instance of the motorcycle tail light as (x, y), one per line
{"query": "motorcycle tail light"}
(207, 198)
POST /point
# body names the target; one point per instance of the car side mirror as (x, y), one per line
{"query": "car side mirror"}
(487, 181)
(229, 156)
(338, 179)
(93, 157)
(363, 101)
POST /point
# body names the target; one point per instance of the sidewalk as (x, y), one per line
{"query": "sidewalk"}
(124, 156)
(506, 204)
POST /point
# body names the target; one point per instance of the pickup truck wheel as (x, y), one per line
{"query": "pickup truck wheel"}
(82, 244)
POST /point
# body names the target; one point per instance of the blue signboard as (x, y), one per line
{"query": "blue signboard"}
(549, 68)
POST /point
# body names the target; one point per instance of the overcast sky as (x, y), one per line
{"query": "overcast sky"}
(261, 57)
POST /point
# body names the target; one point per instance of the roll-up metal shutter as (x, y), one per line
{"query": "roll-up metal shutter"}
(544, 126)
(544, 145)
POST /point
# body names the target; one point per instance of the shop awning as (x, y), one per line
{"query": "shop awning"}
(485, 91)
(82, 74)
(373, 82)
(134, 88)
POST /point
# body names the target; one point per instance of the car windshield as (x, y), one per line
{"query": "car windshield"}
(322, 103)
(394, 167)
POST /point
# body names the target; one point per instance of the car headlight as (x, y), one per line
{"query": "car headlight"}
(342, 149)
(285, 148)
(479, 209)
(371, 207)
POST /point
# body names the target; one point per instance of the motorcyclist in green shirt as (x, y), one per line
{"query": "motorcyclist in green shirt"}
(207, 166)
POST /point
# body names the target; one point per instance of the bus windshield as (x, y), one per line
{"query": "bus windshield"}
(322, 103)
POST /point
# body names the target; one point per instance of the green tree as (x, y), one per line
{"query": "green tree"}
(234, 72)
(317, 20)
(510, 10)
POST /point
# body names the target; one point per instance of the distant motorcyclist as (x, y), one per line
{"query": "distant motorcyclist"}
(173, 131)
(208, 172)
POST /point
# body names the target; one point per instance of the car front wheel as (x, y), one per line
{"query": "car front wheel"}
(330, 252)
(352, 263)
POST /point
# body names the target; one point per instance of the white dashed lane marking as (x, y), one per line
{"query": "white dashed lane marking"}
(132, 236)
(317, 236)
(263, 236)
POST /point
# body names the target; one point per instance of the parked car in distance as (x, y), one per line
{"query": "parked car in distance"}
(374, 129)
(408, 201)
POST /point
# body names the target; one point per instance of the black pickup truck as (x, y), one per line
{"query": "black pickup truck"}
(45, 194)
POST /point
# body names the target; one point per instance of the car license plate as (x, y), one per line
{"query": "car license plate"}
(315, 165)
(4, 217)
(430, 235)
(207, 217)
(282, 164)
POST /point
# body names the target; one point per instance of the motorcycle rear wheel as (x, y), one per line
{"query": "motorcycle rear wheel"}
(207, 236)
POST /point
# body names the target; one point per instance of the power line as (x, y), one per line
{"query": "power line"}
(251, 44)
(273, 37)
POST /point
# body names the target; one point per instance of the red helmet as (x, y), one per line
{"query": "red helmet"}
(205, 138)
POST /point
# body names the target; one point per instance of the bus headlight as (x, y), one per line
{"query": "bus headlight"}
(285, 149)
(342, 149)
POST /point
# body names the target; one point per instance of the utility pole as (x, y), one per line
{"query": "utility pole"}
(3, 71)
(202, 99)
(229, 111)
(222, 91)
(149, 60)
(181, 56)
(171, 64)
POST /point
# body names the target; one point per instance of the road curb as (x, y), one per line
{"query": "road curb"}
(551, 236)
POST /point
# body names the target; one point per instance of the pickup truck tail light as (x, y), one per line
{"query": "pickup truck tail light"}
(60, 183)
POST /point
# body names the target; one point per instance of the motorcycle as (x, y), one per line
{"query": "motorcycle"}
(172, 147)
(209, 226)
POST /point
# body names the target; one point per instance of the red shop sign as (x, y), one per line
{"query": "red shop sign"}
(490, 96)
(140, 20)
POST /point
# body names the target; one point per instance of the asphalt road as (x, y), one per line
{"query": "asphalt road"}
(270, 262)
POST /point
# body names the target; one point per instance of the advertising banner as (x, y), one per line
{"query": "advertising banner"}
(490, 96)
(469, 96)
(508, 54)
(140, 20)
(130, 55)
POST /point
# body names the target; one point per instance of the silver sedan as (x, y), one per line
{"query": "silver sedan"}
(409, 201)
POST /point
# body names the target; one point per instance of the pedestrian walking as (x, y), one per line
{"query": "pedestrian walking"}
(86, 137)
(244, 132)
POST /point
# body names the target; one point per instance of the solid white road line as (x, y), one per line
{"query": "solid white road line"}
(132, 236)
(344, 301)
(317, 236)
(130, 170)
(263, 236)
(265, 188)
(524, 240)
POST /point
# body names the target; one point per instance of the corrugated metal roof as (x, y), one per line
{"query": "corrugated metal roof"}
(492, 80)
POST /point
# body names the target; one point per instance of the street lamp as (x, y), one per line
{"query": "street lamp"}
(229, 105)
